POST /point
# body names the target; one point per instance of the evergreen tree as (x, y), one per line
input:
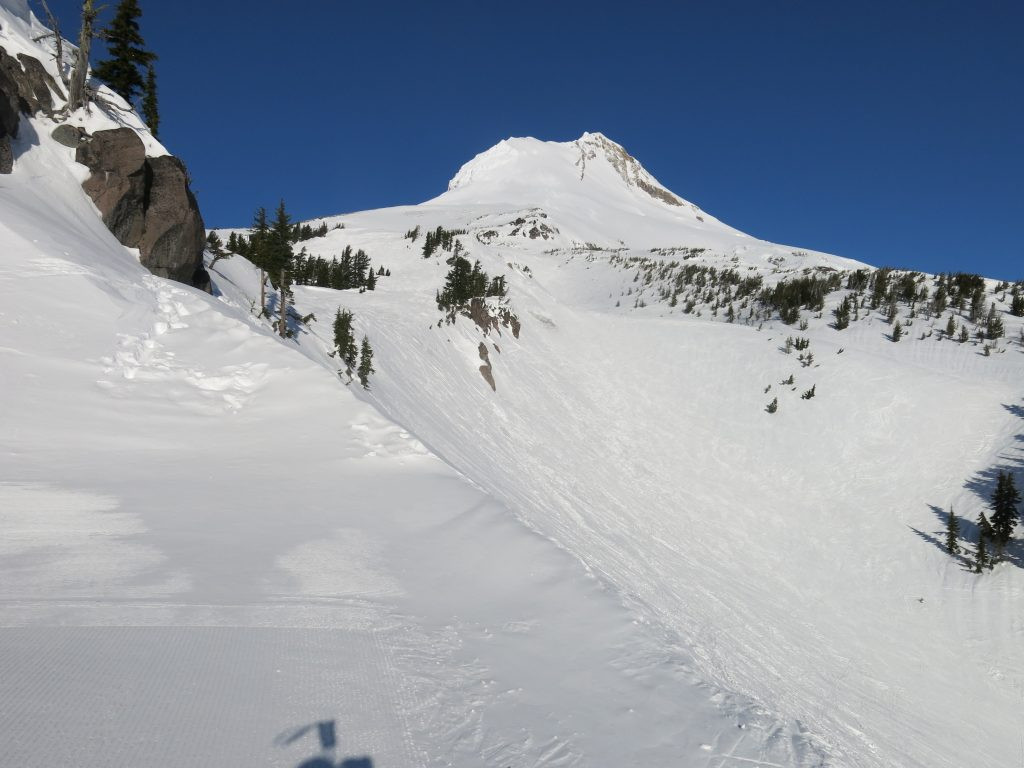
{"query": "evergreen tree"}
(150, 110)
(256, 247)
(344, 339)
(952, 533)
(371, 280)
(277, 255)
(950, 327)
(1004, 510)
(985, 534)
(964, 335)
(365, 363)
(1017, 303)
(897, 331)
(127, 52)
(842, 315)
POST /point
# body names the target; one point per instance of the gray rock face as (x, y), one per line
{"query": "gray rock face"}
(29, 83)
(147, 204)
(25, 88)
(69, 135)
(174, 235)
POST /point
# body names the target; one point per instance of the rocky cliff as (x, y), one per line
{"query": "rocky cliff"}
(145, 201)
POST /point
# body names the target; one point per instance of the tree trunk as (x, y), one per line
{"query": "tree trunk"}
(77, 96)
(282, 291)
(263, 293)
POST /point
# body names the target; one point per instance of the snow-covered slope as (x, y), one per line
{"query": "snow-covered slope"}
(795, 555)
(213, 552)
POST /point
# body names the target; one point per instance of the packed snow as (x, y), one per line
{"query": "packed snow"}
(215, 548)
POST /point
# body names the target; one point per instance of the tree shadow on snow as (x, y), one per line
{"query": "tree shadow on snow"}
(326, 734)
(982, 484)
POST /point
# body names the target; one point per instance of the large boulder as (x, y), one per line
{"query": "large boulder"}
(174, 236)
(147, 204)
(117, 159)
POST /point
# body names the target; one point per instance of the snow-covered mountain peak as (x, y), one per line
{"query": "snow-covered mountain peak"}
(591, 160)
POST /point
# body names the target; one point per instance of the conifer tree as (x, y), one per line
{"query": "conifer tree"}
(256, 247)
(950, 326)
(1005, 499)
(842, 315)
(952, 533)
(980, 555)
(344, 339)
(127, 52)
(150, 110)
(371, 280)
(365, 363)
(277, 256)
(985, 534)
(897, 331)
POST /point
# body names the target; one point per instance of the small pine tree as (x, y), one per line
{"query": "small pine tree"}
(952, 533)
(150, 108)
(950, 327)
(1017, 304)
(1005, 499)
(371, 280)
(897, 331)
(985, 534)
(980, 555)
(365, 363)
(964, 335)
(842, 315)
(773, 406)
(127, 52)
(344, 339)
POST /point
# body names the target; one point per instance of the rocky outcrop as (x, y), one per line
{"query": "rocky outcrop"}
(25, 88)
(485, 369)
(147, 204)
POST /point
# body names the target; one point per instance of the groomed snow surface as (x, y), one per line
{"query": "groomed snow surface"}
(213, 551)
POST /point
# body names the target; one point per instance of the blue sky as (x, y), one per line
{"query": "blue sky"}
(891, 132)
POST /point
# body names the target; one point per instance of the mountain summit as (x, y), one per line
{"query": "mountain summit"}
(592, 185)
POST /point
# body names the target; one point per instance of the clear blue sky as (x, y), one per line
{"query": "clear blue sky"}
(891, 132)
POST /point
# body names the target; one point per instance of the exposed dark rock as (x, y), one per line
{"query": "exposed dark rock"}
(69, 135)
(28, 82)
(174, 236)
(147, 204)
(6, 155)
(480, 313)
(40, 82)
(25, 88)
(485, 369)
(117, 159)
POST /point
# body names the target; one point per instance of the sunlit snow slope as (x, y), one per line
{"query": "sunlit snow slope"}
(795, 556)
(213, 552)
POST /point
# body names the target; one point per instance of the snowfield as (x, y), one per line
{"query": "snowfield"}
(216, 550)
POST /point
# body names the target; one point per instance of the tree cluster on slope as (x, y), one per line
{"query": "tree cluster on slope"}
(467, 281)
(995, 532)
(440, 238)
(360, 362)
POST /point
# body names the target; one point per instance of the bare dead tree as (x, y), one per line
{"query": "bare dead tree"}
(77, 94)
